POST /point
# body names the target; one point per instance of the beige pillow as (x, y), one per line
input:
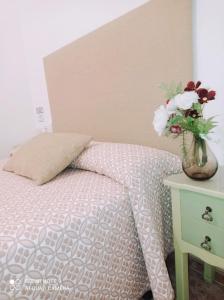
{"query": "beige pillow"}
(46, 155)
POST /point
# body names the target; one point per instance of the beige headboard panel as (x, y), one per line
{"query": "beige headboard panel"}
(106, 84)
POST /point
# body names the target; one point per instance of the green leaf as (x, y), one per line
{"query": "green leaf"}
(198, 126)
(172, 89)
(198, 107)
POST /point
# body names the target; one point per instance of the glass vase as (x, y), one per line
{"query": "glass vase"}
(199, 162)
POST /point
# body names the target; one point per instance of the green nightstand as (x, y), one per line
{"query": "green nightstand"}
(198, 225)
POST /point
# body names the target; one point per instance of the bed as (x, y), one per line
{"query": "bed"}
(102, 228)
(94, 232)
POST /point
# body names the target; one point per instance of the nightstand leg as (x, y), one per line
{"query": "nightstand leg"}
(209, 273)
(181, 266)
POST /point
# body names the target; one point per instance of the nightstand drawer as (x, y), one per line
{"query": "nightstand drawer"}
(208, 209)
(196, 233)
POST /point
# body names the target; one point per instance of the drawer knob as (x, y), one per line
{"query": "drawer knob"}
(206, 215)
(205, 245)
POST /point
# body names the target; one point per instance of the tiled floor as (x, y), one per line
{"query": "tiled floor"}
(199, 289)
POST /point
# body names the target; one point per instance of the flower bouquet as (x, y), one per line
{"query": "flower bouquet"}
(182, 115)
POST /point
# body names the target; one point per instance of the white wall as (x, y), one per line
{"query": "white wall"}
(208, 34)
(16, 110)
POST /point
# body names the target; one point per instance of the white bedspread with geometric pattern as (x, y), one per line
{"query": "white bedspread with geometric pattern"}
(101, 231)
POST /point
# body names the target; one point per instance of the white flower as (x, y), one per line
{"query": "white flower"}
(160, 119)
(171, 106)
(186, 100)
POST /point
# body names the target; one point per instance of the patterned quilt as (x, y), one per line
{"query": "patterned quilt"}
(100, 230)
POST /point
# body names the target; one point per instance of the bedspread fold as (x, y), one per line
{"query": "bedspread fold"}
(142, 170)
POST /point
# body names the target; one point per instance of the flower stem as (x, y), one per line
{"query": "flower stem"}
(200, 151)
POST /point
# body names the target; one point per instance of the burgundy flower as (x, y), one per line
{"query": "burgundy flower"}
(192, 113)
(205, 95)
(175, 129)
(191, 86)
